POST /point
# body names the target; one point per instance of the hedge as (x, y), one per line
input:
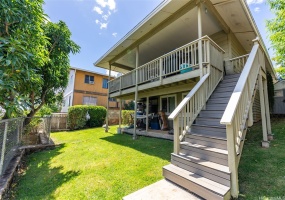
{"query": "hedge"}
(77, 116)
(126, 116)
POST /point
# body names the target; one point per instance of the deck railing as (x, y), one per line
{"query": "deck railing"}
(238, 63)
(187, 111)
(236, 113)
(182, 59)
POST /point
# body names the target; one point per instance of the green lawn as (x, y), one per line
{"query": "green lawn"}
(92, 164)
(262, 171)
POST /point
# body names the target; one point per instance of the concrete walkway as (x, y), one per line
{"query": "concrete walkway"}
(162, 190)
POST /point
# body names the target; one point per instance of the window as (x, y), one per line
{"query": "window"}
(112, 99)
(87, 100)
(105, 83)
(89, 79)
(168, 103)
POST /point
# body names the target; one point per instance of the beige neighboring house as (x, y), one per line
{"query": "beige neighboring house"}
(87, 87)
(204, 65)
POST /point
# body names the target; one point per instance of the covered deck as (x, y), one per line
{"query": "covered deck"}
(184, 63)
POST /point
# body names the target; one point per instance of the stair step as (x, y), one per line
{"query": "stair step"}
(182, 162)
(206, 141)
(219, 128)
(218, 101)
(208, 121)
(224, 89)
(211, 113)
(221, 95)
(229, 84)
(199, 185)
(230, 76)
(212, 154)
(219, 107)
(229, 79)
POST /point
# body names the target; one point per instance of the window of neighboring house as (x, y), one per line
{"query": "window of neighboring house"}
(105, 83)
(89, 79)
(87, 100)
(168, 103)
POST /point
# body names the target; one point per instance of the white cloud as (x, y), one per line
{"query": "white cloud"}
(103, 25)
(254, 1)
(114, 34)
(105, 17)
(97, 21)
(257, 9)
(98, 10)
(111, 4)
(113, 73)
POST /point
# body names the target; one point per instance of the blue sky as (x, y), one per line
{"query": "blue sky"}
(96, 25)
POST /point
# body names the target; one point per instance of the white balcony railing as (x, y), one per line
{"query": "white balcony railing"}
(181, 60)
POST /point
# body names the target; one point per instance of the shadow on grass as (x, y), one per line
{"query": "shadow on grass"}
(262, 171)
(39, 180)
(152, 146)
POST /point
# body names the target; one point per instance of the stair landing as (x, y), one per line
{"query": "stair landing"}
(162, 190)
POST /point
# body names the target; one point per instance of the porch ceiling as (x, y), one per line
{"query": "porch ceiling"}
(165, 29)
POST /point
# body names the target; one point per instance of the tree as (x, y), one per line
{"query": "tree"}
(276, 30)
(55, 71)
(280, 72)
(21, 44)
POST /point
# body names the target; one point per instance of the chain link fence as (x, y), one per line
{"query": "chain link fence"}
(20, 132)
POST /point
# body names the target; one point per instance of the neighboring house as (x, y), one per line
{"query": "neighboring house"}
(279, 98)
(203, 63)
(87, 88)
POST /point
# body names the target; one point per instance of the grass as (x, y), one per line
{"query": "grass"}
(92, 164)
(262, 171)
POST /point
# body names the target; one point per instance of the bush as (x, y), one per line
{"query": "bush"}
(97, 116)
(77, 116)
(126, 116)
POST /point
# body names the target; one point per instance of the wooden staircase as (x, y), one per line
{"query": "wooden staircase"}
(201, 166)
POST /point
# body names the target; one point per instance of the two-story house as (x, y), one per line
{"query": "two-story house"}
(204, 64)
(87, 88)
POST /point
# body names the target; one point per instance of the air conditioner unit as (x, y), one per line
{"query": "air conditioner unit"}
(91, 82)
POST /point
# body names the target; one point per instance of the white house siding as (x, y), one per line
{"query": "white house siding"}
(237, 49)
(68, 92)
(221, 38)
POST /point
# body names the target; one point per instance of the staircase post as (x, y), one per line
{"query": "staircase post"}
(176, 135)
(232, 160)
(265, 142)
(267, 112)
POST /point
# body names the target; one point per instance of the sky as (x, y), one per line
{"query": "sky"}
(97, 25)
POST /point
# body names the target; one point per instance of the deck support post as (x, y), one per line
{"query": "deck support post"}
(232, 161)
(136, 94)
(176, 135)
(200, 41)
(265, 142)
(267, 112)
(108, 97)
(120, 116)
(147, 112)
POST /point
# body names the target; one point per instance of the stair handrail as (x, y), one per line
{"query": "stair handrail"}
(237, 111)
(186, 112)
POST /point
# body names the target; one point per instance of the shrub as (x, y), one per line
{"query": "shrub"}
(126, 116)
(97, 116)
(77, 116)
